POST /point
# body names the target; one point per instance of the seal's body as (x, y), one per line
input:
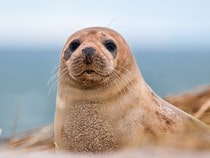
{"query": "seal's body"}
(103, 102)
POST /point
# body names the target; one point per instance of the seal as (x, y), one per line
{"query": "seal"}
(103, 103)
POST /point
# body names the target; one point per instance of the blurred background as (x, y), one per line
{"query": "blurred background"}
(170, 40)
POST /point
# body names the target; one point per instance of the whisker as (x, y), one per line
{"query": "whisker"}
(55, 69)
(118, 83)
(124, 78)
(114, 20)
(53, 87)
(54, 79)
(54, 75)
(64, 73)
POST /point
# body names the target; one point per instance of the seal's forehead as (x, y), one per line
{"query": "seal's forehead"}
(94, 30)
(101, 31)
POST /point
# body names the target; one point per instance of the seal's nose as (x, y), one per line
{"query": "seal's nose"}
(88, 53)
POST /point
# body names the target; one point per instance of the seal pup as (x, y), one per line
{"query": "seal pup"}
(103, 102)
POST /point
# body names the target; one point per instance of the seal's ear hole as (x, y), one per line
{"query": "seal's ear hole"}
(74, 45)
(110, 46)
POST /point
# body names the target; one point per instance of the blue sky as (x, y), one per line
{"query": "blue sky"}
(145, 23)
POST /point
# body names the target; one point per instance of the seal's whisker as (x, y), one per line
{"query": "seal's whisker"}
(123, 75)
(118, 83)
(121, 67)
(52, 87)
(55, 73)
(55, 70)
(112, 21)
(125, 79)
(54, 79)
(64, 72)
(122, 80)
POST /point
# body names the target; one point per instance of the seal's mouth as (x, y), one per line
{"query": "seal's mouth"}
(88, 72)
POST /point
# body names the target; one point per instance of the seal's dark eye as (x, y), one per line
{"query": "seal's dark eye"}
(110, 46)
(74, 45)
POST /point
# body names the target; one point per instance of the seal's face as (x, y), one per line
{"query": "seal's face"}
(90, 55)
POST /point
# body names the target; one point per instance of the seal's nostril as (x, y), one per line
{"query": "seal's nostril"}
(88, 53)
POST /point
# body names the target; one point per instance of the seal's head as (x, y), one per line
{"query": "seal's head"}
(92, 55)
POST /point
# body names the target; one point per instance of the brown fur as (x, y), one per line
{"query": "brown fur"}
(112, 108)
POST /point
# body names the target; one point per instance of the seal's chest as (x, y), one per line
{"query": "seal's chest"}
(85, 129)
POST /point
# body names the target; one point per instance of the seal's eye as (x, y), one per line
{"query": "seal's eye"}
(74, 45)
(110, 46)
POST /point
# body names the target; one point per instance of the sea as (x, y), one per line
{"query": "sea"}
(28, 81)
